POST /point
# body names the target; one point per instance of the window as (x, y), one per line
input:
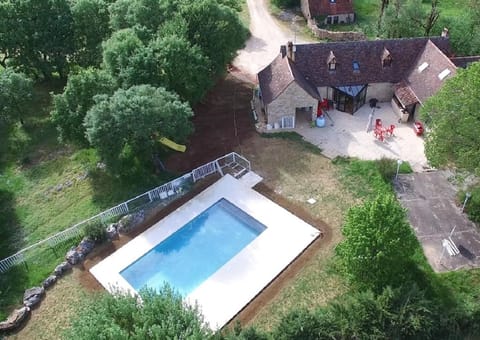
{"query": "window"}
(335, 19)
(331, 66)
(356, 66)
(443, 74)
(387, 62)
(333, 1)
(329, 20)
(422, 67)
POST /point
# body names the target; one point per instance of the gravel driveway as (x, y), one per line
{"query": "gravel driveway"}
(264, 43)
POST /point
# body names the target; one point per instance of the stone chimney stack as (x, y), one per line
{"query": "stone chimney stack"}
(291, 51)
(445, 33)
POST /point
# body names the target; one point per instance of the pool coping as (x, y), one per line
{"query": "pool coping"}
(233, 286)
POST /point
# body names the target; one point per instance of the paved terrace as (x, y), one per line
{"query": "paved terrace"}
(348, 137)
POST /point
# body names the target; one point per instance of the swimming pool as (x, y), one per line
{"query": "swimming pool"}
(196, 251)
(226, 291)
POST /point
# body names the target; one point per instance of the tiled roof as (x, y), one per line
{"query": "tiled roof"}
(277, 76)
(429, 72)
(311, 60)
(326, 7)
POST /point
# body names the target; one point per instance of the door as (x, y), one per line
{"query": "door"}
(288, 122)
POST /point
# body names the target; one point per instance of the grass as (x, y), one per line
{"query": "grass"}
(46, 187)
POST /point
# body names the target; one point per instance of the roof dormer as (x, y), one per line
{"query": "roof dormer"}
(332, 62)
(386, 58)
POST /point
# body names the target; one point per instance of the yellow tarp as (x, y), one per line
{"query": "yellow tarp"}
(172, 145)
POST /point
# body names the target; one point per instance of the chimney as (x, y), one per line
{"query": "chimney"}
(445, 32)
(291, 51)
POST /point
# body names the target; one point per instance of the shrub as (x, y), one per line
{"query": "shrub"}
(286, 3)
(95, 230)
(473, 205)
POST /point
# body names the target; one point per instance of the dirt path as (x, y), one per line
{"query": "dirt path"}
(264, 43)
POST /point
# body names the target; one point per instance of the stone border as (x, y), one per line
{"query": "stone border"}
(77, 254)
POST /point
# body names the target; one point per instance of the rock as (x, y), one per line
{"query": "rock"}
(112, 231)
(33, 296)
(128, 222)
(68, 183)
(49, 281)
(85, 247)
(73, 257)
(62, 268)
(59, 187)
(15, 319)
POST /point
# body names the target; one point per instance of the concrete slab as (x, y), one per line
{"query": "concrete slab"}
(348, 136)
(430, 200)
(230, 288)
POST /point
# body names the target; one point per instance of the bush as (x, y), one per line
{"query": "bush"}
(473, 205)
(161, 315)
(95, 231)
(286, 3)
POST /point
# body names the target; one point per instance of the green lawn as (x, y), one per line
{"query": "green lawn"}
(46, 187)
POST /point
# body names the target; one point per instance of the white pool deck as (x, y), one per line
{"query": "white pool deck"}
(234, 285)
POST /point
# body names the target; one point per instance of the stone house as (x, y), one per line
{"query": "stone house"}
(404, 72)
(328, 11)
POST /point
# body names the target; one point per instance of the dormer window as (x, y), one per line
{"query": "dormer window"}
(386, 58)
(356, 66)
(332, 62)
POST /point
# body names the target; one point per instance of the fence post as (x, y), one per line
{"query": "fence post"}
(218, 167)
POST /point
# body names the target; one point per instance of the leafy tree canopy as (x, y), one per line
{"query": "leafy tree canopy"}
(91, 27)
(216, 29)
(378, 244)
(393, 314)
(72, 105)
(16, 94)
(40, 35)
(161, 315)
(453, 117)
(130, 123)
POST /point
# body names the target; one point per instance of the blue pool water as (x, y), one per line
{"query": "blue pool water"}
(196, 251)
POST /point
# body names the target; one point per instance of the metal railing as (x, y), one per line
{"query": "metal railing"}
(166, 191)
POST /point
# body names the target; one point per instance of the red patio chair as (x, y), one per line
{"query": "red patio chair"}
(390, 130)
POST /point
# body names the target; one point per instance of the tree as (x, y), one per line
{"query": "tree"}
(393, 314)
(420, 21)
(130, 123)
(216, 29)
(378, 244)
(43, 32)
(70, 107)
(8, 39)
(121, 52)
(182, 67)
(91, 27)
(161, 315)
(453, 119)
(16, 94)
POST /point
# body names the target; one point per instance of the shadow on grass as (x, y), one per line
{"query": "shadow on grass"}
(39, 265)
(12, 236)
(110, 190)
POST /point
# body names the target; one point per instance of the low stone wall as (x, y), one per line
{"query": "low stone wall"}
(33, 296)
(332, 35)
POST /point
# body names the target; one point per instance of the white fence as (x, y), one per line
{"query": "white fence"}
(168, 190)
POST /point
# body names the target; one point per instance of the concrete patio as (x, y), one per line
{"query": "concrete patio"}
(348, 136)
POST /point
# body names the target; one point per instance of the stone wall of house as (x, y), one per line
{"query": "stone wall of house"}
(305, 9)
(334, 36)
(381, 91)
(285, 104)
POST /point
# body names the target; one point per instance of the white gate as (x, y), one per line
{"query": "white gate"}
(288, 122)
